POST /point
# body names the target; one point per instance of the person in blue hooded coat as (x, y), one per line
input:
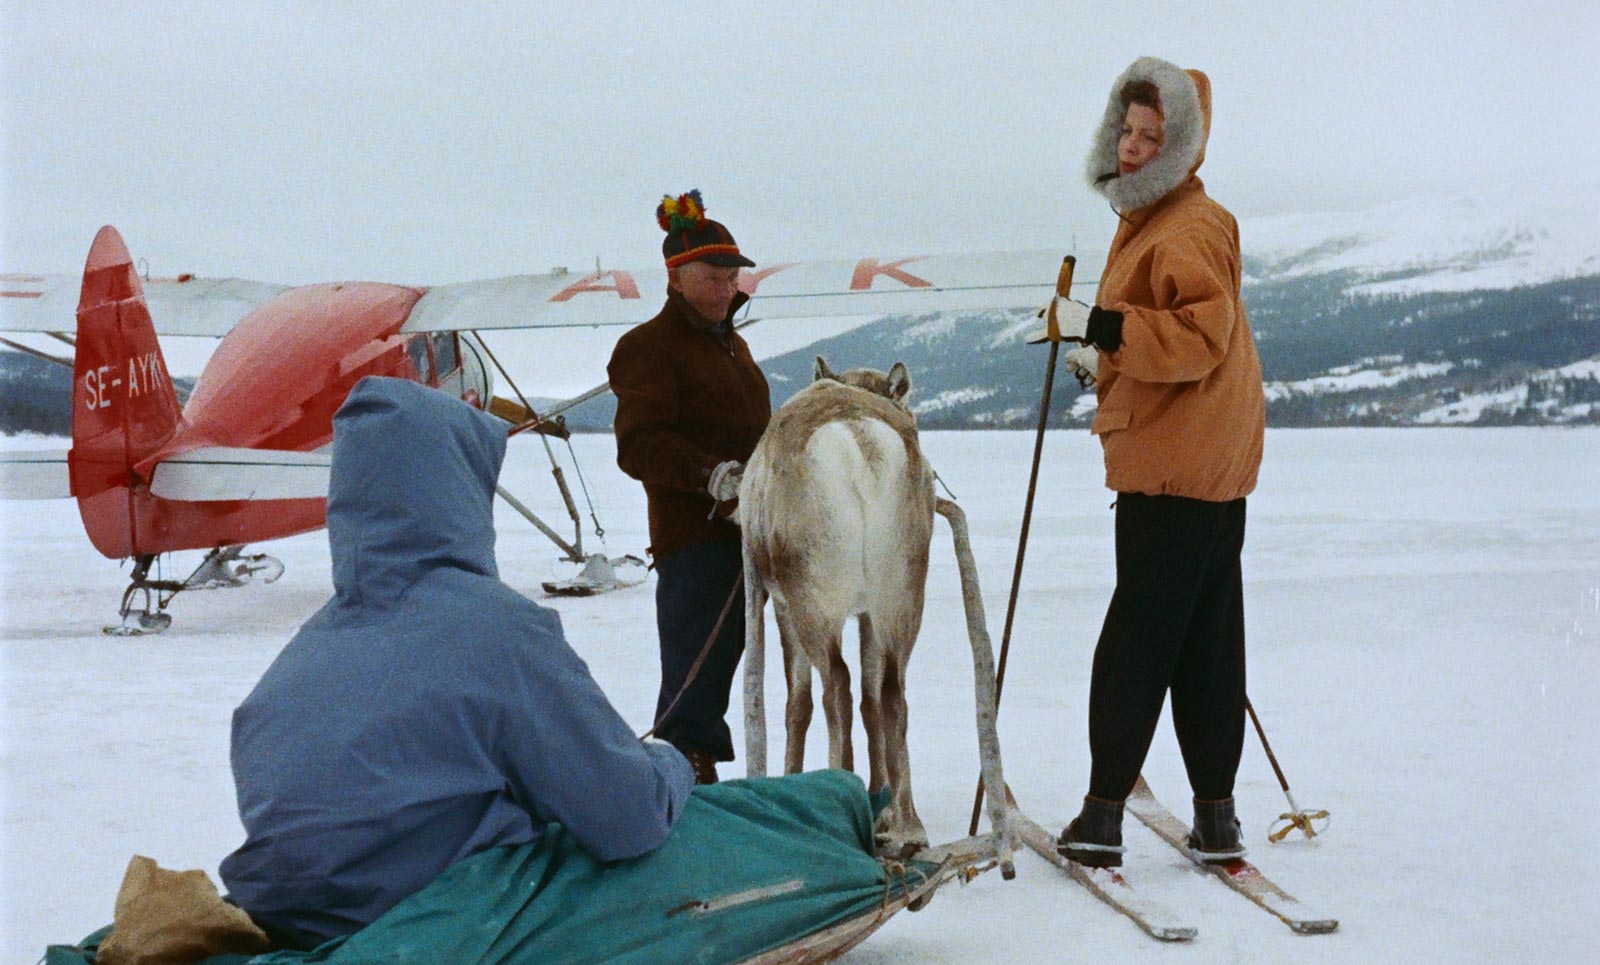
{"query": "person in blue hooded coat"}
(427, 712)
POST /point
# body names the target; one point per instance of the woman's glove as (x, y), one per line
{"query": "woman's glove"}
(1072, 318)
(1083, 360)
(1104, 330)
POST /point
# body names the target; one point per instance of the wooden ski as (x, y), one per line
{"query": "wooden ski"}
(1238, 874)
(1107, 884)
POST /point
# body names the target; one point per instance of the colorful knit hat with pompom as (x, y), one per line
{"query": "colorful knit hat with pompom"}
(691, 236)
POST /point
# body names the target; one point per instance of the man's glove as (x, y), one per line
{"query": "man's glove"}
(1084, 360)
(725, 479)
(1072, 318)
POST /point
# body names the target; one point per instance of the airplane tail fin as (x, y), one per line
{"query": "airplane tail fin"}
(124, 407)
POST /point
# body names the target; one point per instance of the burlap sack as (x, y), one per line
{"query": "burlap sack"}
(174, 918)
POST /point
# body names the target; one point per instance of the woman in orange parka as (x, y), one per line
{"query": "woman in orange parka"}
(1181, 418)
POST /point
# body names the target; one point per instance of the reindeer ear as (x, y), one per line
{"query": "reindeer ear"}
(821, 371)
(899, 382)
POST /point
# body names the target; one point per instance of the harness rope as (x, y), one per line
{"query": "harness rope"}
(894, 872)
(694, 669)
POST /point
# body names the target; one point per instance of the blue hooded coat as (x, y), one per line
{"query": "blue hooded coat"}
(427, 712)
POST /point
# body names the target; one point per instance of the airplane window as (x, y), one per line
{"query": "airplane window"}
(444, 351)
(417, 349)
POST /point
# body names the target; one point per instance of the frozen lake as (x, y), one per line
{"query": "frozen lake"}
(1424, 634)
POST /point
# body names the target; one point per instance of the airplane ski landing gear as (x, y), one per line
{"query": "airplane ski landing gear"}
(600, 575)
(137, 623)
(223, 567)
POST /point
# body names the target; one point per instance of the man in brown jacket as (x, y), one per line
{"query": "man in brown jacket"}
(1181, 418)
(691, 405)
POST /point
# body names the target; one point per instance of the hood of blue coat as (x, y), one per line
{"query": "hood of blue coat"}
(1186, 109)
(411, 489)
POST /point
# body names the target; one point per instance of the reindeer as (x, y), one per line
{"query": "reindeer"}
(836, 508)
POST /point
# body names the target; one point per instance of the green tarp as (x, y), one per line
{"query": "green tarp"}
(752, 865)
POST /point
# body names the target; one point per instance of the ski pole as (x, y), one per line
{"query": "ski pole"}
(1296, 817)
(1063, 288)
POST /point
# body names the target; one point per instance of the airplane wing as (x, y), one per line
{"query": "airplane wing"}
(229, 473)
(814, 289)
(184, 305)
(187, 305)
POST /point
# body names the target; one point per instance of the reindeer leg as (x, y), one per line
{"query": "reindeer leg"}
(836, 705)
(908, 827)
(797, 706)
(872, 704)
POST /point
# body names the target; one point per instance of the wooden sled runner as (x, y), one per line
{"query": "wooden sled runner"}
(829, 943)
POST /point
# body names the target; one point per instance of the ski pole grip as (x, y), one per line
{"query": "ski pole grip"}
(1063, 290)
(1064, 277)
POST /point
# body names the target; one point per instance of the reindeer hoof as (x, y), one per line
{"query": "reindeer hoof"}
(897, 848)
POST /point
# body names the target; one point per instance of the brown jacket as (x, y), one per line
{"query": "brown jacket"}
(686, 401)
(1181, 407)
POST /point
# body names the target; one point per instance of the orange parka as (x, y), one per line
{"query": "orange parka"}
(1181, 408)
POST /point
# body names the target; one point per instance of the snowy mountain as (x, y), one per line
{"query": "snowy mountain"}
(1430, 311)
(1455, 244)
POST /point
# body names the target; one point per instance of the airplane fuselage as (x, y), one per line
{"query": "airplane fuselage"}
(273, 383)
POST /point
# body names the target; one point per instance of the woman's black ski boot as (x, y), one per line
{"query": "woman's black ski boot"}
(1094, 838)
(1215, 838)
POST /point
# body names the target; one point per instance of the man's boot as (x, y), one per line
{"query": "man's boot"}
(1094, 837)
(705, 766)
(1216, 835)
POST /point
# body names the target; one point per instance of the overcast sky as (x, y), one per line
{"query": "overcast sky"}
(424, 143)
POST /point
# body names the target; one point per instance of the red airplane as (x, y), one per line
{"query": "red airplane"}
(245, 460)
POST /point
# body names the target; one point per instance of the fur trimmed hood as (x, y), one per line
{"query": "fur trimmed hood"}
(1186, 107)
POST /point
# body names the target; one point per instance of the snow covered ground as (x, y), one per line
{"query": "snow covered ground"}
(1424, 620)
